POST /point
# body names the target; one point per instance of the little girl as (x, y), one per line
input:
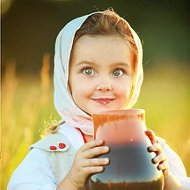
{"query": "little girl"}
(98, 67)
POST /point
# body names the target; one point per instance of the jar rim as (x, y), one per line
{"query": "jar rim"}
(121, 112)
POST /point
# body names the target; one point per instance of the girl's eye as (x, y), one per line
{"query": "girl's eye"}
(118, 72)
(88, 71)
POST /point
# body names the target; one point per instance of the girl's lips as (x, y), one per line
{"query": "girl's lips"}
(103, 101)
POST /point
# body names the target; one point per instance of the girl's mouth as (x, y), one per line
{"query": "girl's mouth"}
(103, 101)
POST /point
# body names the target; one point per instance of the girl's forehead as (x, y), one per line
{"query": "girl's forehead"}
(88, 45)
(101, 41)
(100, 37)
(100, 50)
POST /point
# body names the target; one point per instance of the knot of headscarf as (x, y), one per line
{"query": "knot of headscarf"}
(63, 101)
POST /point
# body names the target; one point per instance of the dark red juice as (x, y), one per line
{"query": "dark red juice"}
(130, 168)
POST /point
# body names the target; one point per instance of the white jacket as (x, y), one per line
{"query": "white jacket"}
(43, 168)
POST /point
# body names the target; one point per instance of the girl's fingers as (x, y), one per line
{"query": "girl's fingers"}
(93, 169)
(151, 135)
(93, 152)
(159, 158)
(155, 148)
(163, 166)
(91, 144)
(97, 162)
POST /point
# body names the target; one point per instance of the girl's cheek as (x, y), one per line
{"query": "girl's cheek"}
(123, 88)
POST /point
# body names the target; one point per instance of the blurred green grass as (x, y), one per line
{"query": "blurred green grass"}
(27, 104)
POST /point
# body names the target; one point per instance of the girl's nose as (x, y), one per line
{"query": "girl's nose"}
(104, 86)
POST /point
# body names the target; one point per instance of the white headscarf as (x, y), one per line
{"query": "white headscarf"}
(63, 101)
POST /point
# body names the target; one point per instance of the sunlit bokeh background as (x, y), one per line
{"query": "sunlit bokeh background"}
(29, 29)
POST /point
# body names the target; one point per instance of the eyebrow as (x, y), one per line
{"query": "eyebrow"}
(86, 63)
(125, 64)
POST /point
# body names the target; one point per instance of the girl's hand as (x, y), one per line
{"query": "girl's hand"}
(84, 164)
(170, 182)
(160, 157)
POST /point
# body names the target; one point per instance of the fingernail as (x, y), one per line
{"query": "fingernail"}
(106, 148)
(106, 160)
(154, 160)
(150, 149)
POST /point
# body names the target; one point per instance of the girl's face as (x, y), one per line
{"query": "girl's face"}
(100, 75)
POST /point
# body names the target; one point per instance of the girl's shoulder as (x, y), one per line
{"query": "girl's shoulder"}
(59, 151)
(56, 142)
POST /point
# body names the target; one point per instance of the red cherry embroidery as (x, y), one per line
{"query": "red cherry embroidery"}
(62, 145)
(53, 147)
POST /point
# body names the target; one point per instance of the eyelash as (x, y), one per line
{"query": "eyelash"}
(90, 68)
(87, 68)
(122, 70)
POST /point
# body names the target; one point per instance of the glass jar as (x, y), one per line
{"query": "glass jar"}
(130, 166)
